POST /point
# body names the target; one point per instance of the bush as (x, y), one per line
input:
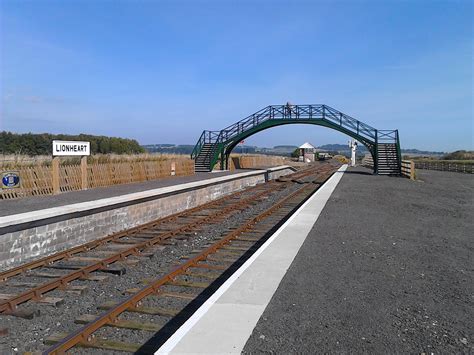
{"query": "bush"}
(459, 155)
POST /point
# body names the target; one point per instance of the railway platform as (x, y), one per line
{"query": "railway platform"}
(29, 204)
(37, 226)
(369, 264)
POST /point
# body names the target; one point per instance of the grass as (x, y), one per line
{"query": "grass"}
(14, 161)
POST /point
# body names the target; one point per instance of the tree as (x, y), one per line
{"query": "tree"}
(40, 144)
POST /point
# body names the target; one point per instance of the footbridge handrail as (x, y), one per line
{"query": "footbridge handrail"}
(206, 137)
(223, 141)
(301, 112)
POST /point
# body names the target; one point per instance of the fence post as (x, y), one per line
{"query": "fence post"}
(173, 168)
(55, 175)
(84, 172)
(412, 170)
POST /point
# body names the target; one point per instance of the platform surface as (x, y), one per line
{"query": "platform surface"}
(28, 204)
(387, 267)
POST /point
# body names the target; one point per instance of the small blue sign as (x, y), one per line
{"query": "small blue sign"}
(10, 180)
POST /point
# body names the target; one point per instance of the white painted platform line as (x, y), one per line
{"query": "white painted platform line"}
(226, 320)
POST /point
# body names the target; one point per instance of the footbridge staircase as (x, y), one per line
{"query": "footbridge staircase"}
(214, 147)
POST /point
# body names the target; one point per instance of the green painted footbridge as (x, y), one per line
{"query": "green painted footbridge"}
(215, 146)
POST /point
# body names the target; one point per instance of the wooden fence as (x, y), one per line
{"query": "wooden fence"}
(368, 161)
(256, 161)
(444, 166)
(39, 180)
(408, 169)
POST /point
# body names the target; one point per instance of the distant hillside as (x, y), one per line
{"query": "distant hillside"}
(169, 148)
(285, 147)
(460, 155)
(277, 150)
(284, 150)
(420, 152)
(362, 149)
(342, 148)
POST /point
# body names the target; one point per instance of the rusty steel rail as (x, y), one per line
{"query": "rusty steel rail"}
(11, 304)
(85, 334)
(66, 254)
(5, 275)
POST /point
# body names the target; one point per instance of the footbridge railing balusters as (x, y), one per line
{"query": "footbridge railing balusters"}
(222, 142)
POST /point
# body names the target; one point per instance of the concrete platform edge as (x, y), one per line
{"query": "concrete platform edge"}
(27, 217)
(55, 229)
(232, 312)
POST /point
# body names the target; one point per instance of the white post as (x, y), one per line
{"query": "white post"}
(353, 146)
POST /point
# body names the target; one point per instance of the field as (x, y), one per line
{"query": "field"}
(12, 161)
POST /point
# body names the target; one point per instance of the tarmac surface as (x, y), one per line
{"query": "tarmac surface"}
(10, 207)
(387, 267)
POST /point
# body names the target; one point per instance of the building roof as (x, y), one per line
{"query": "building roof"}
(307, 146)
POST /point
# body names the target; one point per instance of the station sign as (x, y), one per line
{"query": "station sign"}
(10, 180)
(68, 148)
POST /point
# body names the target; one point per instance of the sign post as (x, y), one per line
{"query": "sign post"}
(70, 148)
(242, 146)
(55, 172)
(84, 184)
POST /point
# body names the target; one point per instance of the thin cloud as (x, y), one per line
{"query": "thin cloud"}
(33, 99)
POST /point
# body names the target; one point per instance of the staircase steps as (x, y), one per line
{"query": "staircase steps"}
(383, 144)
(388, 160)
(203, 160)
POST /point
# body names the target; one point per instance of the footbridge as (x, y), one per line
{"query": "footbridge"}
(215, 146)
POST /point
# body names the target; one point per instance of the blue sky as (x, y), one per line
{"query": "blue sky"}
(162, 71)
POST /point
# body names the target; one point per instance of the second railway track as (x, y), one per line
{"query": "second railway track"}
(156, 301)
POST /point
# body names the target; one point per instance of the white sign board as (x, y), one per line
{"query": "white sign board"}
(65, 148)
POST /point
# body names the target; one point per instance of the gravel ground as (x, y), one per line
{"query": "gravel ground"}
(28, 335)
(391, 272)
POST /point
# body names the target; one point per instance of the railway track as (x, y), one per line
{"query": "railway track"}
(119, 250)
(185, 287)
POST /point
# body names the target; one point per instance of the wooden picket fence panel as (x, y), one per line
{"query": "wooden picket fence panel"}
(37, 180)
(408, 169)
(466, 168)
(255, 161)
(368, 161)
(69, 178)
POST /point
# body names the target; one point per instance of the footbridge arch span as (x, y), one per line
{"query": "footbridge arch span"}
(215, 146)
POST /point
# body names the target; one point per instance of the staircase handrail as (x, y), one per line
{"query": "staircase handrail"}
(214, 148)
(388, 135)
(225, 138)
(198, 146)
(206, 137)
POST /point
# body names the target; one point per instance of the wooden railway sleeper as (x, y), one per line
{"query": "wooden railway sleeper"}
(97, 243)
(76, 337)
